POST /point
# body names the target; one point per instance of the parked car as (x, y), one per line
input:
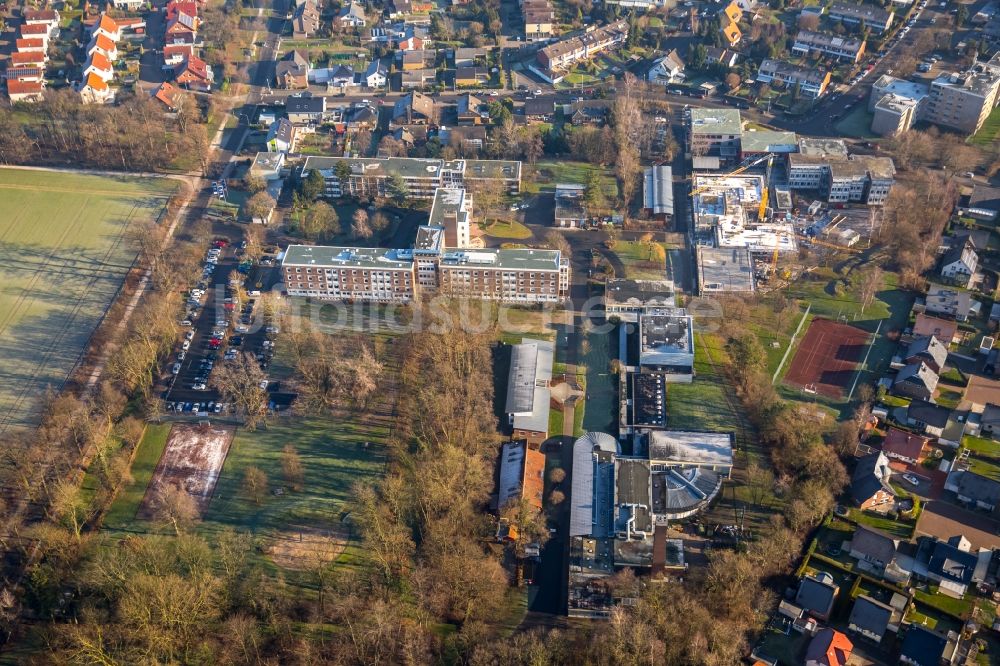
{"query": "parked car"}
(176, 369)
(186, 345)
(911, 479)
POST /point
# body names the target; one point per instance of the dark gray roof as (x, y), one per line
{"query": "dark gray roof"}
(954, 254)
(871, 475)
(985, 197)
(990, 416)
(874, 544)
(979, 488)
(305, 104)
(918, 373)
(871, 615)
(816, 595)
(933, 415)
(951, 563)
(541, 106)
(928, 346)
(923, 646)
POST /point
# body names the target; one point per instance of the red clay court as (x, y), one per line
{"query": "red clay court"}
(827, 358)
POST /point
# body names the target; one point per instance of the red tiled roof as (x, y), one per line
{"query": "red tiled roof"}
(166, 93)
(187, 6)
(27, 58)
(533, 484)
(99, 61)
(15, 87)
(34, 29)
(30, 44)
(104, 43)
(107, 24)
(39, 15)
(96, 82)
(905, 444)
(182, 49)
(194, 66)
(943, 329)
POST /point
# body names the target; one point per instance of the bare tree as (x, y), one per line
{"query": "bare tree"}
(557, 241)
(360, 226)
(291, 468)
(176, 506)
(255, 483)
(242, 382)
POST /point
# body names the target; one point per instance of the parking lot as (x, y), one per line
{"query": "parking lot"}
(222, 319)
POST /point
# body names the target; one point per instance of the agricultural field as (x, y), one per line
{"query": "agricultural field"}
(64, 252)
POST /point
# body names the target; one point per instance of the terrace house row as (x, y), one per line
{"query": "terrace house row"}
(557, 58)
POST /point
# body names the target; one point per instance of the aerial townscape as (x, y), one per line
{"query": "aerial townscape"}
(500, 332)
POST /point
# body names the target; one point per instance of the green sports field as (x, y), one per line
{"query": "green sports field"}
(63, 256)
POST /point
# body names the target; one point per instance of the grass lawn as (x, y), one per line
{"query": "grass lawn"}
(857, 123)
(960, 608)
(701, 405)
(549, 172)
(507, 229)
(64, 254)
(637, 260)
(989, 132)
(125, 506)
(333, 454)
(879, 522)
(984, 467)
(982, 446)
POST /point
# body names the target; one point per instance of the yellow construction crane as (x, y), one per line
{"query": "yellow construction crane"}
(762, 211)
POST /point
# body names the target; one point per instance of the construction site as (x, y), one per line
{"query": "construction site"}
(752, 210)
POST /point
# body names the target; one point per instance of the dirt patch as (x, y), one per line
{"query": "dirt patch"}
(192, 460)
(827, 358)
(306, 548)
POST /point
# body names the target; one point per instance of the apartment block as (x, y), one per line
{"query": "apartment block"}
(369, 177)
(842, 48)
(824, 165)
(873, 16)
(561, 56)
(349, 273)
(963, 101)
(812, 83)
(715, 132)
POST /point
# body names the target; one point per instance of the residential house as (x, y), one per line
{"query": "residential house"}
(873, 16)
(922, 647)
(108, 27)
(175, 7)
(292, 71)
(539, 110)
(905, 446)
(915, 380)
(666, 69)
(363, 116)
(413, 43)
(870, 482)
(984, 202)
(103, 45)
(928, 349)
(956, 303)
(810, 82)
(268, 166)
(588, 111)
(927, 417)
(465, 137)
(989, 421)
(24, 91)
(557, 58)
(829, 647)
(41, 32)
(724, 57)
(413, 109)
(418, 78)
(959, 264)
(194, 74)
(95, 90)
(33, 73)
(471, 76)
(469, 57)
(128, 5)
(539, 19)
(522, 475)
(729, 17)
(951, 565)
(26, 59)
(569, 209)
(875, 552)
(99, 65)
(167, 94)
(183, 24)
(870, 618)
(281, 137)
(305, 20)
(48, 17)
(305, 109)
(175, 54)
(339, 76)
(817, 594)
(469, 110)
(30, 45)
(842, 48)
(978, 491)
(377, 75)
(412, 60)
(944, 330)
(351, 16)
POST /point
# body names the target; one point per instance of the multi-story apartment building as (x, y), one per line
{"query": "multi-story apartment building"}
(556, 58)
(349, 273)
(842, 48)
(715, 132)
(825, 166)
(874, 17)
(893, 114)
(964, 100)
(812, 83)
(369, 177)
(511, 276)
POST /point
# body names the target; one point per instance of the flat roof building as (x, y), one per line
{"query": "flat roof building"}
(723, 270)
(528, 397)
(569, 210)
(706, 450)
(842, 48)
(811, 83)
(715, 132)
(628, 299)
(666, 343)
